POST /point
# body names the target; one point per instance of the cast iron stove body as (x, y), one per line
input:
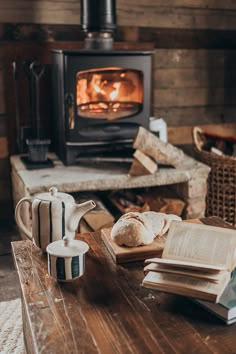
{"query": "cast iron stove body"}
(101, 95)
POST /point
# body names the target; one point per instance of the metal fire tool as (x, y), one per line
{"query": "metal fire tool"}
(37, 147)
(20, 130)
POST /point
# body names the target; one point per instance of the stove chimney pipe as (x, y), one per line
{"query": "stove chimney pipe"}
(98, 20)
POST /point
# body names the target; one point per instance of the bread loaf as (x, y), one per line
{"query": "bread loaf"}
(157, 221)
(132, 229)
(168, 219)
(136, 229)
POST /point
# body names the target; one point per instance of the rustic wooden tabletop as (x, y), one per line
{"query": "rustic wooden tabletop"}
(107, 311)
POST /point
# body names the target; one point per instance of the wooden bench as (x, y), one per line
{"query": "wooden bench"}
(107, 311)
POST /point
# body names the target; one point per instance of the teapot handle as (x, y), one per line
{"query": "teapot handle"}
(18, 218)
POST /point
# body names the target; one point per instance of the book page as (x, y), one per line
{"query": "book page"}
(212, 277)
(201, 244)
(210, 268)
(183, 285)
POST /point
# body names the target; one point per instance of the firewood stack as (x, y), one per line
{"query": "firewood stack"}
(142, 164)
(151, 151)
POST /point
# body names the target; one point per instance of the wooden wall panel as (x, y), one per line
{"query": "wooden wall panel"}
(3, 147)
(186, 58)
(194, 86)
(189, 78)
(5, 182)
(189, 4)
(183, 135)
(180, 116)
(150, 13)
(34, 11)
(188, 97)
(2, 101)
(3, 125)
(169, 17)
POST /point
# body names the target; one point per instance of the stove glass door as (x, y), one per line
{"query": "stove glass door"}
(109, 93)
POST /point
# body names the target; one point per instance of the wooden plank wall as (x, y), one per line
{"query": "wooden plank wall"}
(195, 87)
(5, 185)
(188, 14)
(194, 71)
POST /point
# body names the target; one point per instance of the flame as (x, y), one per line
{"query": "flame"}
(115, 92)
(98, 89)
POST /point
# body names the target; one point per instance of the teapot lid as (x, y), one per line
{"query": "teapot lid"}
(54, 195)
(67, 247)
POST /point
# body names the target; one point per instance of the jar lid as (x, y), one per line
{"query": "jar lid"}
(67, 247)
(53, 195)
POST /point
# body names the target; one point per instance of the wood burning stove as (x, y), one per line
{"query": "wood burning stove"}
(101, 95)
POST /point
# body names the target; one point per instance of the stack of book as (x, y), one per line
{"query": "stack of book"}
(225, 309)
(197, 261)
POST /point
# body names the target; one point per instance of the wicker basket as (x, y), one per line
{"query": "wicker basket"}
(221, 183)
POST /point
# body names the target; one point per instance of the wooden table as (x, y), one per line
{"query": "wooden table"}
(107, 311)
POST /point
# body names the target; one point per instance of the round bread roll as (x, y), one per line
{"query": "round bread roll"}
(157, 221)
(132, 229)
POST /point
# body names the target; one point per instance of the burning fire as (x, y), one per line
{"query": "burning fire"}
(115, 93)
(104, 92)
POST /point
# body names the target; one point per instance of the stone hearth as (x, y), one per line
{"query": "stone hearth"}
(188, 181)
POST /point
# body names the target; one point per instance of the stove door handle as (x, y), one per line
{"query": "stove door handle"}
(69, 108)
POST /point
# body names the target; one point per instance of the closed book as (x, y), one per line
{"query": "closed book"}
(226, 307)
(185, 285)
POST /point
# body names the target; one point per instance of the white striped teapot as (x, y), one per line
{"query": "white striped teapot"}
(54, 215)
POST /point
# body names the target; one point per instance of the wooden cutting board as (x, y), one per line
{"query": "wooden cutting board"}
(133, 254)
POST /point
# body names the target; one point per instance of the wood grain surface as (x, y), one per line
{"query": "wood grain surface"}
(106, 311)
(150, 13)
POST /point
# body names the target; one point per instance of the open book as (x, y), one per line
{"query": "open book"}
(197, 261)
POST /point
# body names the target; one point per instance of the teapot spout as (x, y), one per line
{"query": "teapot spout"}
(78, 212)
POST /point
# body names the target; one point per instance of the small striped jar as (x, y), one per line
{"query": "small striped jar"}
(66, 259)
